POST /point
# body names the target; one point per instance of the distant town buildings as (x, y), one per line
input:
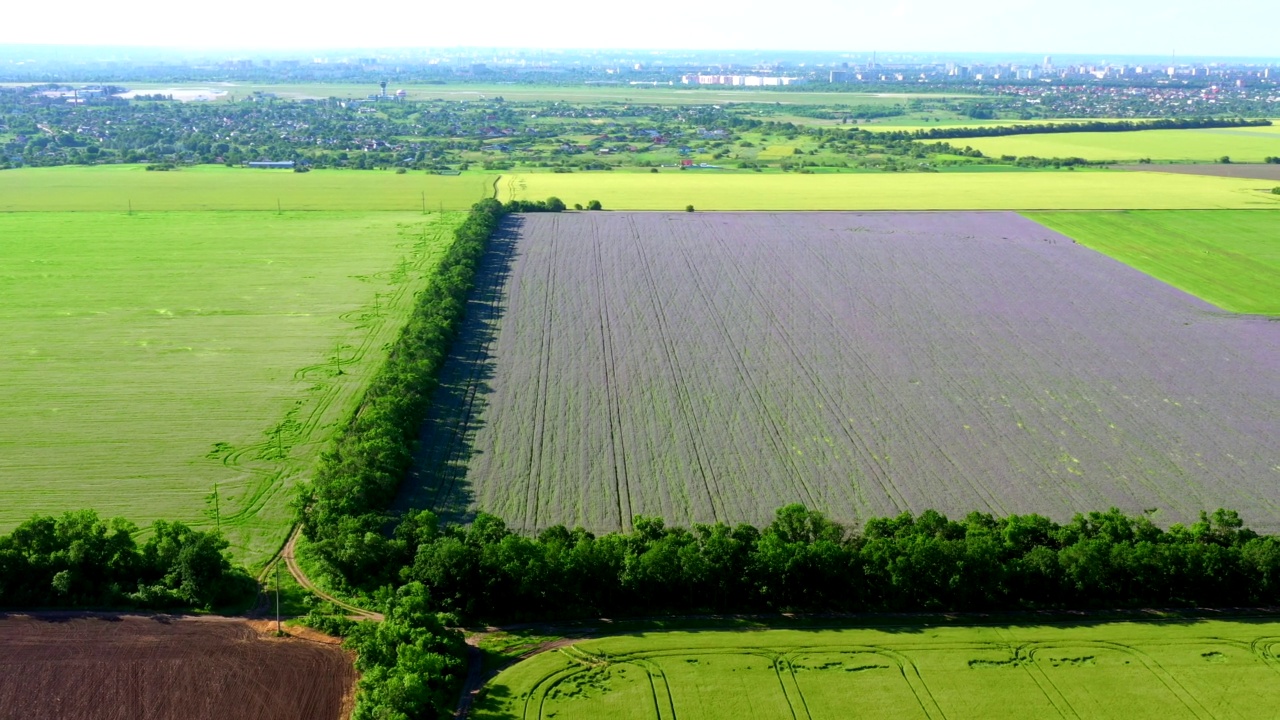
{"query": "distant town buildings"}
(742, 80)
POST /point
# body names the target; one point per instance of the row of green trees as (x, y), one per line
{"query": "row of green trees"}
(343, 511)
(803, 561)
(78, 560)
(410, 665)
(944, 133)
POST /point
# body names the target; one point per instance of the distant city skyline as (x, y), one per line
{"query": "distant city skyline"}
(1226, 28)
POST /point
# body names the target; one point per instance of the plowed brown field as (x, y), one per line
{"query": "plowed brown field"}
(141, 667)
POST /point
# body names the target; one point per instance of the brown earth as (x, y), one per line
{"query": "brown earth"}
(136, 667)
(1234, 170)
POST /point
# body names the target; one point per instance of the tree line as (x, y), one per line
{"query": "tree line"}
(944, 133)
(343, 511)
(805, 562)
(78, 560)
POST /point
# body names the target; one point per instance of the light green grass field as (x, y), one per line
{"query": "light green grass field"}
(1128, 670)
(113, 188)
(1250, 144)
(1231, 259)
(714, 190)
(147, 357)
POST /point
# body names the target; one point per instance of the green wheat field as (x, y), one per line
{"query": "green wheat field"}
(149, 358)
(1122, 670)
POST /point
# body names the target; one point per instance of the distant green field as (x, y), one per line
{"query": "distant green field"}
(914, 122)
(149, 357)
(667, 94)
(1129, 671)
(715, 190)
(114, 188)
(1228, 258)
(1249, 144)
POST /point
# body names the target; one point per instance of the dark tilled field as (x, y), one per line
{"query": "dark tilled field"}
(714, 366)
(1254, 172)
(136, 667)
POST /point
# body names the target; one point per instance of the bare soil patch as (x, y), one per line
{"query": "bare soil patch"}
(1252, 172)
(153, 667)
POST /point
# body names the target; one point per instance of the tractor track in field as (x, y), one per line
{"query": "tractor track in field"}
(477, 677)
(573, 633)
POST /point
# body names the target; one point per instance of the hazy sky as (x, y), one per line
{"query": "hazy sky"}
(1115, 27)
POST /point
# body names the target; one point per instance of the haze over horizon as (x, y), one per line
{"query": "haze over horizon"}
(1235, 28)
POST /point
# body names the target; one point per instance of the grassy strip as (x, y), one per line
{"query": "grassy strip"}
(343, 510)
(131, 189)
(1073, 127)
(746, 191)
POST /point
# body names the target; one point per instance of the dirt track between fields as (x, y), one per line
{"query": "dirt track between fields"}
(287, 554)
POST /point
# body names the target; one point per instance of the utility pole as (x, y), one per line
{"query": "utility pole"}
(278, 597)
(424, 202)
(131, 206)
(217, 512)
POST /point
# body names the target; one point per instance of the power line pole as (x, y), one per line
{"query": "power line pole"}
(277, 597)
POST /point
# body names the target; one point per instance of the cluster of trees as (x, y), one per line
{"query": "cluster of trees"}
(1067, 162)
(944, 133)
(551, 204)
(803, 561)
(81, 561)
(411, 665)
(343, 510)
(1271, 160)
